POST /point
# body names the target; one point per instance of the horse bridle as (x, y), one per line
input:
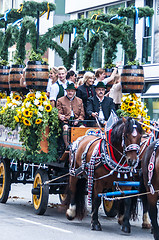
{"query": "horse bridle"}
(130, 147)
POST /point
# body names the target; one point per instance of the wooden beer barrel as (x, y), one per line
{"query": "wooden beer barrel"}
(4, 77)
(132, 79)
(108, 72)
(36, 75)
(15, 75)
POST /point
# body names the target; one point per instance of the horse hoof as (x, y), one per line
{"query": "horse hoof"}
(96, 227)
(146, 225)
(69, 217)
(126, 229)
(120, 220)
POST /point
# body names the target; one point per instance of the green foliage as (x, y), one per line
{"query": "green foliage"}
(33, 56)
(27, 24)
(130, 12)
(3, 62)
(135, 62)
(27, 157)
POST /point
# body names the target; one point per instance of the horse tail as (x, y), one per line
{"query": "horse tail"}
(80, 198)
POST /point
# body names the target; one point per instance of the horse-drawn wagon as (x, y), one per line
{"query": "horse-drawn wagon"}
(47, 177)
(51, 177)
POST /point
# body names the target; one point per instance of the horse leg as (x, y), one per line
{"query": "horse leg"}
(127, 214)
(153, 215)
(145, 219)
(71, 211)
(95, 224)
(120, 212)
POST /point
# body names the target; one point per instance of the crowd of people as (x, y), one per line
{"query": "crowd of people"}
(80, 100)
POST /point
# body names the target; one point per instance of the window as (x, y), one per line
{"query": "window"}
(147, 39)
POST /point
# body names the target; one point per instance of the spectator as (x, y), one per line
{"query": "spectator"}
(58, 89)
(86, 90)
(100, 75)
(116, 91)
(53, 76)
(70, 107)
(99, 105)
(71, 76)
(80, 82)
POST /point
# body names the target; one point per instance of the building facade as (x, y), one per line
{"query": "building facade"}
(146, 36)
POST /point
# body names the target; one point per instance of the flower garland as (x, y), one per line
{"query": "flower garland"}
(132, 106)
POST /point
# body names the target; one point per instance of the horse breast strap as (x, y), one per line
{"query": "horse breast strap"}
(151, 167)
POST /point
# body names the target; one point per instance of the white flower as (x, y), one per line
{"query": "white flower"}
(36, 102)
(38, 94)
(14, 106)
(146, 110)
(14, 101)
(19, 103)
(27, 104)
(23, 109)
(39, 114)
(41, 108)
(11, 95)
(9, 104)
(45, 103)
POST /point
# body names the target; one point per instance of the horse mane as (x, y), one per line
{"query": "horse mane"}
(117, 130)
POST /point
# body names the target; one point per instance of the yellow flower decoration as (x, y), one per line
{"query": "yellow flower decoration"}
(17, 97)
(26, 122)
(48, 108)
(38, 121)
(16, 118)
(26, 113)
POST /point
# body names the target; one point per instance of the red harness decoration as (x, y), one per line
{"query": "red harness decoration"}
(111, 149)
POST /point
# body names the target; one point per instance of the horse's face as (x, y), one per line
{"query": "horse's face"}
(131, 141)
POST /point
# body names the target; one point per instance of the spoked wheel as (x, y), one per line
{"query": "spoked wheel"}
(5, 180)
(40, 192)
(110, 208)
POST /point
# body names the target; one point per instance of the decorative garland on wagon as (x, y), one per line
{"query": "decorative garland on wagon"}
(81, 25)
(28, 8)
(29, 157)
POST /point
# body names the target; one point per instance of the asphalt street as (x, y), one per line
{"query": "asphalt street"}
(18, 221)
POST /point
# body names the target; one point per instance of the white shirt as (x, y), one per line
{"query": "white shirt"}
(105, 81)
(49, 84)
(55, 90)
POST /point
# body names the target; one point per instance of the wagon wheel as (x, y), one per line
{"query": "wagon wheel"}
(5, 180)
(110, 207)
(40, 193)
(63, 198)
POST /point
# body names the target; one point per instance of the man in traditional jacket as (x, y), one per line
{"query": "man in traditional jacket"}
(99, 105)
(70, 107)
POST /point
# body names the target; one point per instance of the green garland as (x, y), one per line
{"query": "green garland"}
(130, 12)
(27, 24)
(100, 28)
(26, 156)
(29, 8)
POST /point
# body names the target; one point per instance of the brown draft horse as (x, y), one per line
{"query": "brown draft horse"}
(87, 156)
(150, 169)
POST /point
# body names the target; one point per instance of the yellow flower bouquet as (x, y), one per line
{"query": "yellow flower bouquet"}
(132, 106)
(8, 112)
(33, 116)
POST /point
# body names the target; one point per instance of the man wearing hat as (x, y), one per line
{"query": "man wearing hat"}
(70, 107)
(99, 105)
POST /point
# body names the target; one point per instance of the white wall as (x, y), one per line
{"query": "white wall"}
(75, 5)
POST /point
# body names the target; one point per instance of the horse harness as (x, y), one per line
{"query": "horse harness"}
(151, 166)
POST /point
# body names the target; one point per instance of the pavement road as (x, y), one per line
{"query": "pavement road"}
(18, 221)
